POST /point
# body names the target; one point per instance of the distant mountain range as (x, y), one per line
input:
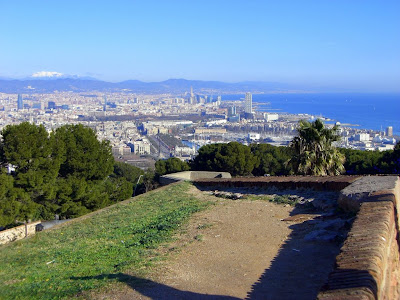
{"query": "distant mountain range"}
(171, 86)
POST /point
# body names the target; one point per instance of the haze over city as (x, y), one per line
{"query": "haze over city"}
(349, 45)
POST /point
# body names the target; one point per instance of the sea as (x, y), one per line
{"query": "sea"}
(364, 111)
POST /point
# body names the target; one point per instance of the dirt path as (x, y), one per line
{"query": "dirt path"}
(235, 250)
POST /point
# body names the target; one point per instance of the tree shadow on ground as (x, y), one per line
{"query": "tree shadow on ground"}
(154, 290)
(300, 268)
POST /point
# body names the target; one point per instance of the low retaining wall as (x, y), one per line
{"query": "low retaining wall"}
(191, 175)
(17, 233)
(368, 264)
(333, 183)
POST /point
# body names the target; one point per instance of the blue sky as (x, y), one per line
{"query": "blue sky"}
(351, 44)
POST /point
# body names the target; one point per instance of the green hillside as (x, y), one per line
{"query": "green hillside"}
(62, 262)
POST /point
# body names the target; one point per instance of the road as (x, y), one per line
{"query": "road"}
(164, 148)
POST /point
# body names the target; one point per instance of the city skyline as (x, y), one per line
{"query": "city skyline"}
(353, 45)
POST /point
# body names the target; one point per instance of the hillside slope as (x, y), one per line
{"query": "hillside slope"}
(243, 248)
(63, 262)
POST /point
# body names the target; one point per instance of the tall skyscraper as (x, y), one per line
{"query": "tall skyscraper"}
(192, 99)
(231, 111)
(20, 103)
(389, 131)
(248, 103)
(105, 103)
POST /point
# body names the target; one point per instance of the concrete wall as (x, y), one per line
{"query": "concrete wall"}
(192, 175)
(17, 233)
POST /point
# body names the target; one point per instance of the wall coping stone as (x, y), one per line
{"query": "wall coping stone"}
(364, 189)
(192, 176)
(368, 264)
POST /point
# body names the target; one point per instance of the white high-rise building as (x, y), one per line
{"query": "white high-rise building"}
(192, 98)
(248, 103)
(389, 131)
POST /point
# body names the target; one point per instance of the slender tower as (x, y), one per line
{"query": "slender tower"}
(105, 103)
(248, 103)
(20, 103)
(192, 99)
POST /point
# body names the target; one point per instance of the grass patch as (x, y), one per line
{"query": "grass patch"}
(85, 254)
(258, 197)
(283, 199)
(199, 237)
(204, 226)
(279, 199)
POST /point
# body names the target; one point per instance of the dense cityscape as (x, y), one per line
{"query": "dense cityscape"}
(143, 127)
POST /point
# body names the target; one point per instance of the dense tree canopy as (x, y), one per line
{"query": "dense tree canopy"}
(130, 173)
(233, 157)
(31, 151)
(309, 153)
(68, 172)
(394, 159)
(171, 165)
(372, 162)
(84, 156)
(270, 159)
(15, 203)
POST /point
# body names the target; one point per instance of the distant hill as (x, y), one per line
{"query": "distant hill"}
(174, 86)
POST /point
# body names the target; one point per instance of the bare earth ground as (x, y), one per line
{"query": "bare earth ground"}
(238, 249)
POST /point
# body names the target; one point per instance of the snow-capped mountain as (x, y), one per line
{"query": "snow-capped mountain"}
(50, 75)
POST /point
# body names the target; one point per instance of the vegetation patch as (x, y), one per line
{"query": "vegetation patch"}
(67, 173)
(279, 199)
(283, 199)
(89, 252)
(227, 195)
(204, 226)
(199, 237)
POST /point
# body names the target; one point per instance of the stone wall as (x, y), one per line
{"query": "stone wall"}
(368, 264)
(17, 233)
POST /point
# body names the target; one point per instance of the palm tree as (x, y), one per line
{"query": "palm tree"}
(313, 152)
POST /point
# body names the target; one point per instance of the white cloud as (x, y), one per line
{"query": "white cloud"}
(47, 74)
